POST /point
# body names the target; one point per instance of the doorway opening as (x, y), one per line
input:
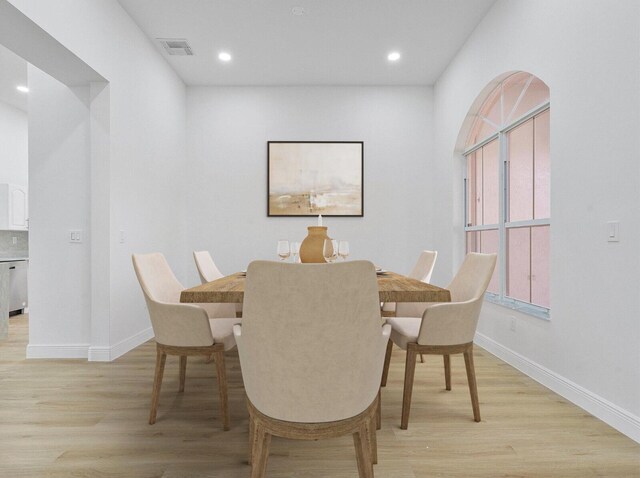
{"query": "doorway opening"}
(61, 175)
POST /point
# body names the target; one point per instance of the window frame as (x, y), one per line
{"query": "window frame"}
(502, 136)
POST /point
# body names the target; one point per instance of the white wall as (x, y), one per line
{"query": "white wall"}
(228, 130)
(59, 202)
(14, 153)
(587, 52)
(147, 151)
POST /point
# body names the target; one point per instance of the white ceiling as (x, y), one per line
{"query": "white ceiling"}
(13, 72)
(336, 42)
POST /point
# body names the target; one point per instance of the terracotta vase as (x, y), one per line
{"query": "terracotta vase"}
(311, 247)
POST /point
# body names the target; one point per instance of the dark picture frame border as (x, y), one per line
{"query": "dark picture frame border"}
(361, 143)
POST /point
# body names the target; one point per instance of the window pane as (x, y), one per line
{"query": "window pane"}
(512, 96)
(485, 130)
(473, 241)
(526, 178)
(518, 263)
(490, 110)
(540, 265)
(489, 242)
(478, 185)
(490, 183)
(472, 188)
(542, 199)
(521, 172)
(473, 134)
(536, 94)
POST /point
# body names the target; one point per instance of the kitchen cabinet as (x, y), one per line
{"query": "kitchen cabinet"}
(14, 208)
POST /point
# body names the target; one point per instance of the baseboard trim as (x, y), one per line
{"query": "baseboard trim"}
(131, 343)
(618, 418)
(49, 351)
(107, 354)
(85, 351)
(99, 354)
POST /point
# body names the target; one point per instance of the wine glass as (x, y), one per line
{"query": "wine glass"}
(283, 250)
(295, 250)
(343, 249)
(330, 250)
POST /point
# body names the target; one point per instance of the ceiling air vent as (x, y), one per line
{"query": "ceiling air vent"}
(176, 46)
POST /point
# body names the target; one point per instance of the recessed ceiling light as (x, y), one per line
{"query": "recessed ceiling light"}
(22, 89)
(393, 56)
(224, 56)
(297, 11)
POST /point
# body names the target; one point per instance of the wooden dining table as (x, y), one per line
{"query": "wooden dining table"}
(392, 287)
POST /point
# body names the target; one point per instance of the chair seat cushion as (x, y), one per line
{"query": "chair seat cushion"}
(388, 306)
(222, 331)
(404, 330)
(219, 310)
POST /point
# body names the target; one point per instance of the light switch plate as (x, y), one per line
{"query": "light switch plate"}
(75, 237)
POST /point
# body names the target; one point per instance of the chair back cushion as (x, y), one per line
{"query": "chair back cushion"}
(455, 322)
(311, 346)
(424, 267)
(206, 267)
(156, 278)
(473, 277)
(173, 323)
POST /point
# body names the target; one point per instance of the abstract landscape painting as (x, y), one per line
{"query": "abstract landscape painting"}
(311, 178)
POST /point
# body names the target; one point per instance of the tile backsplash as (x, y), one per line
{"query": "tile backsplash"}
(9, 249)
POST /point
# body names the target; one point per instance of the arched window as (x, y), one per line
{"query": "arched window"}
(507, 190)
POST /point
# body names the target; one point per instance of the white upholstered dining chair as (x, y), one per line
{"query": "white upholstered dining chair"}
(443, 328)
(421, 271)
(181, 329)
(292, 311)
(208, 272)
(207, 269)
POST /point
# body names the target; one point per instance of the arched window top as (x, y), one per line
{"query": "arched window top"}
(512, 98)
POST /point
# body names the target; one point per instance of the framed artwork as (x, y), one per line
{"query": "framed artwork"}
(307, 178)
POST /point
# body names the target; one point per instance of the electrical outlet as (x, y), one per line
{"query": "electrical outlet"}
(14, 240)
(512, 324)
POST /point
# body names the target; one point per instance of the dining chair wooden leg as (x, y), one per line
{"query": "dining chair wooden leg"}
(260, 452)
(373, 439)
(363, 455)
(379, 411)
(387, 361)
(183, 372)
(409, 373)
(252, 438)
(222, 387)
(161, 358)
(421, 358)
(473, 387)
(447, 371)
(366, 438)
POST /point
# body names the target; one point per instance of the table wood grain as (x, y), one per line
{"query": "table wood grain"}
(393, 287)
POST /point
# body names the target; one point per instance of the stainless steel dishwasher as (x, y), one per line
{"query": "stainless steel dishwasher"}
(18, 286)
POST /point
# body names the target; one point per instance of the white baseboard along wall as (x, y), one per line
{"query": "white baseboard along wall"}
(618, 418)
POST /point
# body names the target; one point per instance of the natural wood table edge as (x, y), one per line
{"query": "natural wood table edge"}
(393, 287)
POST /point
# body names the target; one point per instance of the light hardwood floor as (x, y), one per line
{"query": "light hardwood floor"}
(72, 418)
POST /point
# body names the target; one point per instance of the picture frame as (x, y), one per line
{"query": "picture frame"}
(311, 178)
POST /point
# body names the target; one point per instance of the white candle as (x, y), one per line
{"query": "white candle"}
(320, 220)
